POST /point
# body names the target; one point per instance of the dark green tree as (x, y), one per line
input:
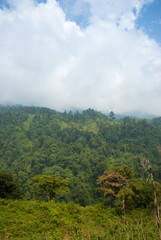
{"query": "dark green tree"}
(9, 188)
(112, 115)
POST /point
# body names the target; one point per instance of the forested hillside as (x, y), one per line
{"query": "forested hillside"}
(76, 146)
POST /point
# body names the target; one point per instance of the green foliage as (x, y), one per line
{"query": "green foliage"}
(8, 187)
(125, 171)
(51, 185)
(77, 146)
(55, 221)
(51, 149)
(112, 182)
(120, 183)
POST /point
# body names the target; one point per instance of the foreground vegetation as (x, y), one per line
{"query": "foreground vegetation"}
(59, 221)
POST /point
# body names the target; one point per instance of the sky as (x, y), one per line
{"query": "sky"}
(79, 54)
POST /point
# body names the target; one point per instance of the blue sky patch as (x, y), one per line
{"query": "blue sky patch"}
(150, 20)
(3, 4)
(40, 1)
(77, 11)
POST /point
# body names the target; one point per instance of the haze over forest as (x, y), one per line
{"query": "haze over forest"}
(81, 54)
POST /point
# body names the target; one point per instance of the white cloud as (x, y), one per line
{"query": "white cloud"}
(48, 61)
(121, 12)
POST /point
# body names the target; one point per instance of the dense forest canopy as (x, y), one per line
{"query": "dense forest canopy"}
(77, 146)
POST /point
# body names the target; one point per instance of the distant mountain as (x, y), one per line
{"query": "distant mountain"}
(136, 114)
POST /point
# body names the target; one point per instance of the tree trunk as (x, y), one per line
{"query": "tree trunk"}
(146, 165)
(125, 220)
(155, 203)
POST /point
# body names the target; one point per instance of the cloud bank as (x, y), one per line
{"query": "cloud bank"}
(47, 60)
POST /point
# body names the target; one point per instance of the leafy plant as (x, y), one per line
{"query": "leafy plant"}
(51, 185)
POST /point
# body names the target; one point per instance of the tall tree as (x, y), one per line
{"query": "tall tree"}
(116, 183)
(111, 183)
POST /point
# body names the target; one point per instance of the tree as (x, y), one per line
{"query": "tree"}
(112, 115)
(111, 183)
(8, 187)
(51, 185)
(120, 183)
(117, 183)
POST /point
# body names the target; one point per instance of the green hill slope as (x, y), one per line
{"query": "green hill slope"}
(76, 146)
